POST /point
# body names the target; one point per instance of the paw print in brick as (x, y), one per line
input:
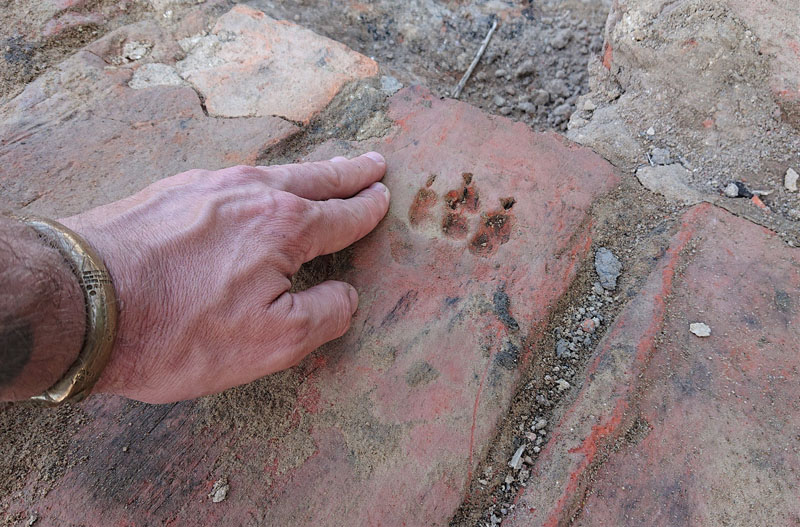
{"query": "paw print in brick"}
(460, 216)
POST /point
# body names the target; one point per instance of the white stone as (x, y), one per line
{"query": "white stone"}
(149, 75)
(790, 180)
(219, 491)
(671, 181)
(133, 50)
(516, 459)
(700, 329)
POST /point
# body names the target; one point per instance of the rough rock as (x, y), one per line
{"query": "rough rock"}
(700, 329)
(390, 85)
(661, 156)
(732, 190)
(608, 268)
(155, 74)
(671, 61)
(254, 66)
(671, 181)
(790, 180)
(79, 137)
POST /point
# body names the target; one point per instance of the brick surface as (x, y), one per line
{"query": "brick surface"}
(253, 65)
(672, 429)
(79, 136)
(487, 227)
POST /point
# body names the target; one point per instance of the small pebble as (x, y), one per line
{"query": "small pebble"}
(732, 191)
(651, 131)
(220, 490)
(525, 69)
(516, 459)
(541, 97)
(562, 349)
(588, 325)
(700, 329)
(661, 156)
(790, 180)
(608, 268)
(527, 107)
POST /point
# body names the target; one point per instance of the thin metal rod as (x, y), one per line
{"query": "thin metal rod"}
(475, 61)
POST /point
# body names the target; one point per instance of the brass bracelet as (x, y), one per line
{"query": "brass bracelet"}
(101, 312)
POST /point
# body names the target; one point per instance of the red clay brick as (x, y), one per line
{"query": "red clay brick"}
(672, 429)
(396, 415)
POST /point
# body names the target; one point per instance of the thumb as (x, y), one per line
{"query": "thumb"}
(326, 311)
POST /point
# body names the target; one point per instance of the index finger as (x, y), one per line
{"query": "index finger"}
(338, 223)
(322, 180)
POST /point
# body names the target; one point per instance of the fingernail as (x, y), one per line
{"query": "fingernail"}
(375, 156)
(353, 299)
(380, 186)
(338, 159)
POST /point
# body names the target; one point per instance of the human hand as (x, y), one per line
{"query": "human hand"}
(202, 265)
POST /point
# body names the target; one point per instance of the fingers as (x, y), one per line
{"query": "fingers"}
(338, 223)
(316, 316)
(338, 178)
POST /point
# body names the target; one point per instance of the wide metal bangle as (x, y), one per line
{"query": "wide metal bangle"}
(101, 312)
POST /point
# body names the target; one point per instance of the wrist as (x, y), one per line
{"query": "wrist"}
(43, 313)
(101, 236)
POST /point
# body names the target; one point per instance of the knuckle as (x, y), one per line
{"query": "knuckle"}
(301, 331)
(334, 178)
(293, 206)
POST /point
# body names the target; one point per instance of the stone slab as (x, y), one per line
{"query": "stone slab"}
(673, 429)
(253, 65)
(488, 225)
(79, 136)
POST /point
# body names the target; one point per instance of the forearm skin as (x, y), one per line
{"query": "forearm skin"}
(42, 313)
